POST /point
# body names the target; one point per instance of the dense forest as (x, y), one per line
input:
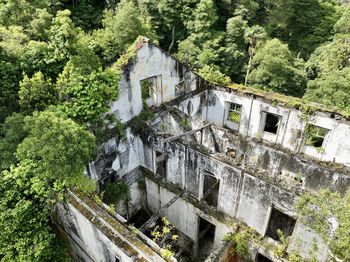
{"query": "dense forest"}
(58, 74)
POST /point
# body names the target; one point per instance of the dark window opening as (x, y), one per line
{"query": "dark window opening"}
(116, 259)
(315, 135)
(206, 236)
(140, 218)
(146, 87)
(271, 123)
(211, 190)
(234, 113)
(261, 258)
(160, 164)
(280, 222)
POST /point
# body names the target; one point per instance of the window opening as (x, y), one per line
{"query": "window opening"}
(234, 113)
(116, 259)
(261, 258)
(146, 87)
(206, 236)
(211, 189)
(280, 222)
(160, 164)
(315, 135)
(271, 123)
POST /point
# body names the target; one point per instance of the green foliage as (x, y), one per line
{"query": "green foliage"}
(328, 69)
(63, 38)
(11, 133)
(113, 192)
(185, 123)
(146, 113)
(81, 183)
(36, 93)
(10, 75)
(240, 241)
(25, 208)
(87, 14)
(319, 212)
(146, 88)
(73, 145)
(315, 136)
(332, 90)
(165, 236)
(304, 24)
(275, 68)
(281, 249)
(214, 76)
(120, 30)
(85, 89)
(234, 117)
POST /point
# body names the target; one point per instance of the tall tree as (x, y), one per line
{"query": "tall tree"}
(36, 93)
(85, 89)
(12, 134)
(276, 68)
(73, 145)
(25, 208)
(303, 24)
(120, 30)
(328, 69)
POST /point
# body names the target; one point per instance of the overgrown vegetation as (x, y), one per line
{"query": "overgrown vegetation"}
(60, 63)
(165, 236)
(328, 214)
(113, 192)
(241, 242)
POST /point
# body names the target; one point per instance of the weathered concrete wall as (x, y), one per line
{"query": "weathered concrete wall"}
(182, 214)
(118, 157)
(291, 133)
(95, 235)
(151, 61)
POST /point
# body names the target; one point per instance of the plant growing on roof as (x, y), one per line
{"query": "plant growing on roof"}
(115, 192)
(165, 236)
(240, 241)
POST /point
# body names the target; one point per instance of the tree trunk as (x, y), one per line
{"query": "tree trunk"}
(172, 39)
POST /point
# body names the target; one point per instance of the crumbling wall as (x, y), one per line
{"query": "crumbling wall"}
(173, 79)
(292, 125)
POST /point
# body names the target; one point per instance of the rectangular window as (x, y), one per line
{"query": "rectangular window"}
(160, 164)
(210, 189)
(315, 136)
(261, 258)
(147, 87)
(234, 112)
(279, 223)
(271, 123)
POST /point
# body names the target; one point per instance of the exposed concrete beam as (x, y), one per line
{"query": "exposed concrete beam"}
(154, 218)
(186, 133)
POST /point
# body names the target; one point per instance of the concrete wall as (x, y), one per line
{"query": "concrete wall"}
(182, 214)
(87, 242)
(212, 106)
(151, 61)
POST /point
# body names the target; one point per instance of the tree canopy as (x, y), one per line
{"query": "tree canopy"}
(58, 77)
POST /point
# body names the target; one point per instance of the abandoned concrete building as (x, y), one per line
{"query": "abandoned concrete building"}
(211, 159)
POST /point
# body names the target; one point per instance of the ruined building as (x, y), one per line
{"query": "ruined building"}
(212, 160)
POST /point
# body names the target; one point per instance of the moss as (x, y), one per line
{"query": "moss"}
(118, 226)
(130, 54)
(303, 105)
